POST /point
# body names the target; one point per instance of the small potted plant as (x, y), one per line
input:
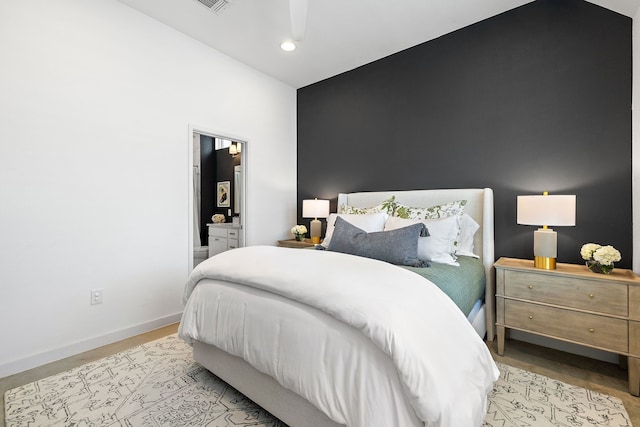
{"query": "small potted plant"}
(299, 231)
(600, 259)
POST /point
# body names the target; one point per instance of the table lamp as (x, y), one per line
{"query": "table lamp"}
(315, 209)
(545, 210)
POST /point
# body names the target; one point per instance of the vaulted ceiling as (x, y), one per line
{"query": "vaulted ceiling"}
(339, 35)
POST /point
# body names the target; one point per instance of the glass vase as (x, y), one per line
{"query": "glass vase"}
(299, 237)
(596, 267)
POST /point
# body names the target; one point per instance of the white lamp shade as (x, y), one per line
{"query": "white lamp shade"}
(547, 210)
(315, 208)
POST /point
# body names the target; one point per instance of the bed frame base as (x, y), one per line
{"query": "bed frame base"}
(262, 389)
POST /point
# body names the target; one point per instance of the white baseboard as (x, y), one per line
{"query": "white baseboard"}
(16, 366)
(563, 346)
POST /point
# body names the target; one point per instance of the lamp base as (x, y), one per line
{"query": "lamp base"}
(316, 231)
(545, 248)
(545, 263)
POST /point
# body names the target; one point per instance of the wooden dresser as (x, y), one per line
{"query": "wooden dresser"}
(572, 304)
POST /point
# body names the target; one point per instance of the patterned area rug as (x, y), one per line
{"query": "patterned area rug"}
(523, 399)
(159, 384)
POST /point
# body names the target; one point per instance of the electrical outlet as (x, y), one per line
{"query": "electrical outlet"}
(96, 296)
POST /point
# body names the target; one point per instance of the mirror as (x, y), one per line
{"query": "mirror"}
(216, 194)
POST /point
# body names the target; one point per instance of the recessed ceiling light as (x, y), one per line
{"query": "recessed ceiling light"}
(288, 46)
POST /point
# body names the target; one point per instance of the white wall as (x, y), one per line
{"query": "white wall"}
(95, 103)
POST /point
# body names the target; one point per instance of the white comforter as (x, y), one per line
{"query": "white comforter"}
(431, 367)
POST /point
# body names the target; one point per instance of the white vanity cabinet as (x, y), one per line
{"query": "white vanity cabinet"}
(223, 237)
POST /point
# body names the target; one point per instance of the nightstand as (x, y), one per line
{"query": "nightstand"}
(293, 243)
(572, 304)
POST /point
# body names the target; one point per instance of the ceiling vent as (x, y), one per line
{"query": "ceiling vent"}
(216, 6)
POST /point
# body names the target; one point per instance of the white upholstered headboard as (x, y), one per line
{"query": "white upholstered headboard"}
(479, 206)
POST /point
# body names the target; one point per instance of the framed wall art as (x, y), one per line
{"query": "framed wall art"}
(224, 194)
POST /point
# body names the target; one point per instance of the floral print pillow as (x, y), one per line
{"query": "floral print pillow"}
(388, 207)
(434, 212)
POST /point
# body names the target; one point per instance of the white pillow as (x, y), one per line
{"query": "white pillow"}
(468, 229)
(440, 245)
(367, 222)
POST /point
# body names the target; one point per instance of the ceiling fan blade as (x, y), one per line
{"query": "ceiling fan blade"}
(298, 13)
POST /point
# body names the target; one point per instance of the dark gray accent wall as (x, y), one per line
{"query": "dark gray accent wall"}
(535, 99)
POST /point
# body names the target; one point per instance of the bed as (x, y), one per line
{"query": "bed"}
(323, 354)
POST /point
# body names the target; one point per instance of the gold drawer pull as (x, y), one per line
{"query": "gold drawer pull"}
(591, 295)
(530, 316)
(530, 286)
(591, 330)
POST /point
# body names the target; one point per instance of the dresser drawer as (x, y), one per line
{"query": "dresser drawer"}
(233, 233)
(584, 328)
(217, 245)
(218, 231)
(581, 293)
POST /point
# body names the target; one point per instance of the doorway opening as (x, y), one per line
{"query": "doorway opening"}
(217, 188)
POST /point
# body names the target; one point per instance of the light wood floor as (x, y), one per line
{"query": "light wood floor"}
(593, 374)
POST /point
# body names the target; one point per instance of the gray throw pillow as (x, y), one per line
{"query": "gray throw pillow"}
(399, 246)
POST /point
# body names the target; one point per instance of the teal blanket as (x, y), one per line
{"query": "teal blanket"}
(464, 284)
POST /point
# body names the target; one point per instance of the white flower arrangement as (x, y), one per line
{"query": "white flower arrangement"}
(604, 255)
(298, 229)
